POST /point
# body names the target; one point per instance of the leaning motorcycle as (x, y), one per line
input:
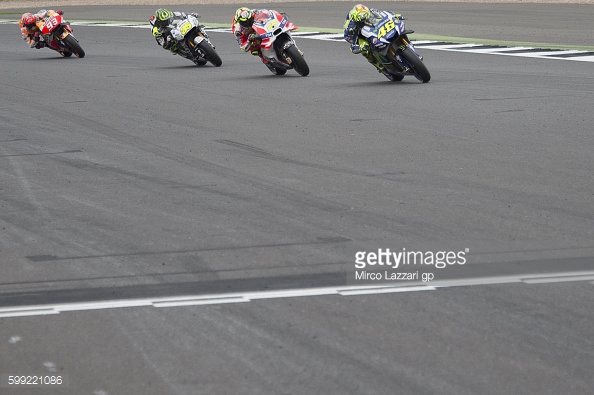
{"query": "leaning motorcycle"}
(193, 42)
(273, 37)
(57, 35)
(390, 45)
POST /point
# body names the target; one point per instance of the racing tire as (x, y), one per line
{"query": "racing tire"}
(397, 77)
(74, 46)
(299, 62)
(200, 61)
(210, 54)
(416, 64)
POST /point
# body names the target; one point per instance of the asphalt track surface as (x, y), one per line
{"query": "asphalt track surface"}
(132, 174)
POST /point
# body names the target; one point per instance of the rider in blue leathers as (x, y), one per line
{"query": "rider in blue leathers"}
(355, 20)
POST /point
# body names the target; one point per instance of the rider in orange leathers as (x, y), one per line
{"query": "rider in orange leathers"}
(29, 29)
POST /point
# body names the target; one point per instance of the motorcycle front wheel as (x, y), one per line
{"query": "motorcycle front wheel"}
(299, 62)
(416, 64)
(74, 46)
(210, 54)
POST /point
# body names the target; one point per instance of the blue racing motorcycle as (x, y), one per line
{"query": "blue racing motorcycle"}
(390, 45)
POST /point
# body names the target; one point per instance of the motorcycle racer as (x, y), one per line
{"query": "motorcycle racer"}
(355, 20)
(245, 34)
(29, 29)
(162, 22)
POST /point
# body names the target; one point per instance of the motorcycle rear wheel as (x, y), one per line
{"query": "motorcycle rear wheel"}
(299, 62)
(417, 64)
(74, 46)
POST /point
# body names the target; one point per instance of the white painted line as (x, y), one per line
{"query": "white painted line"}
(200, 301)
(101, 305)
(372, 291)
(12, 312)
(589, 58)
(495, 50)
(547, 280)
(449, 47)
(326, 37)
(291, 293)
(476, 281)
(353, 290)
(540, 54)
(303, 33)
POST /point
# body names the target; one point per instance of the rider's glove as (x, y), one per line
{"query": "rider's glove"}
(253, 38)
(195, 15)
(355, 49)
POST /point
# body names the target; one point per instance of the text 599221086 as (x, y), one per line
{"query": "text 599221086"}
(12, 380)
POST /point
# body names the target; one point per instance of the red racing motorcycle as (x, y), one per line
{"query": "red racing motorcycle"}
(273, 37)
(57, 35)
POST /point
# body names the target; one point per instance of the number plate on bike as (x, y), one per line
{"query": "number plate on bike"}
(386, 28)
(185, 28)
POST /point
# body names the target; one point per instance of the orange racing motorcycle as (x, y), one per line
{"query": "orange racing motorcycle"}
(56, 33)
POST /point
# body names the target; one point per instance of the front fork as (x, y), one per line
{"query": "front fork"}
(56, 41)
(276, 53)
(203, 36)
(393, 51)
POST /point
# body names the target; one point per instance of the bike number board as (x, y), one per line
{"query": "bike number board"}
(271, 26)
(386, 28)
(51, 23)
(185, 28)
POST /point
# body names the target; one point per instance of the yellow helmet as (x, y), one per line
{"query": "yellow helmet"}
(244, 16)
(359, 13)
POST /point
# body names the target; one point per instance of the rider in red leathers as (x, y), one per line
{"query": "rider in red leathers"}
(244, 33)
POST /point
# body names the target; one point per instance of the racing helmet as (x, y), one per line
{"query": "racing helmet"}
(244, 16)
(360, 13)
(28, 19)
(163, 17)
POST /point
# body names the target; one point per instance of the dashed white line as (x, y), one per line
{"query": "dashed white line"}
(352, 290)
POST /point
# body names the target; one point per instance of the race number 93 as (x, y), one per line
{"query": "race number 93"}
(51, 23)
